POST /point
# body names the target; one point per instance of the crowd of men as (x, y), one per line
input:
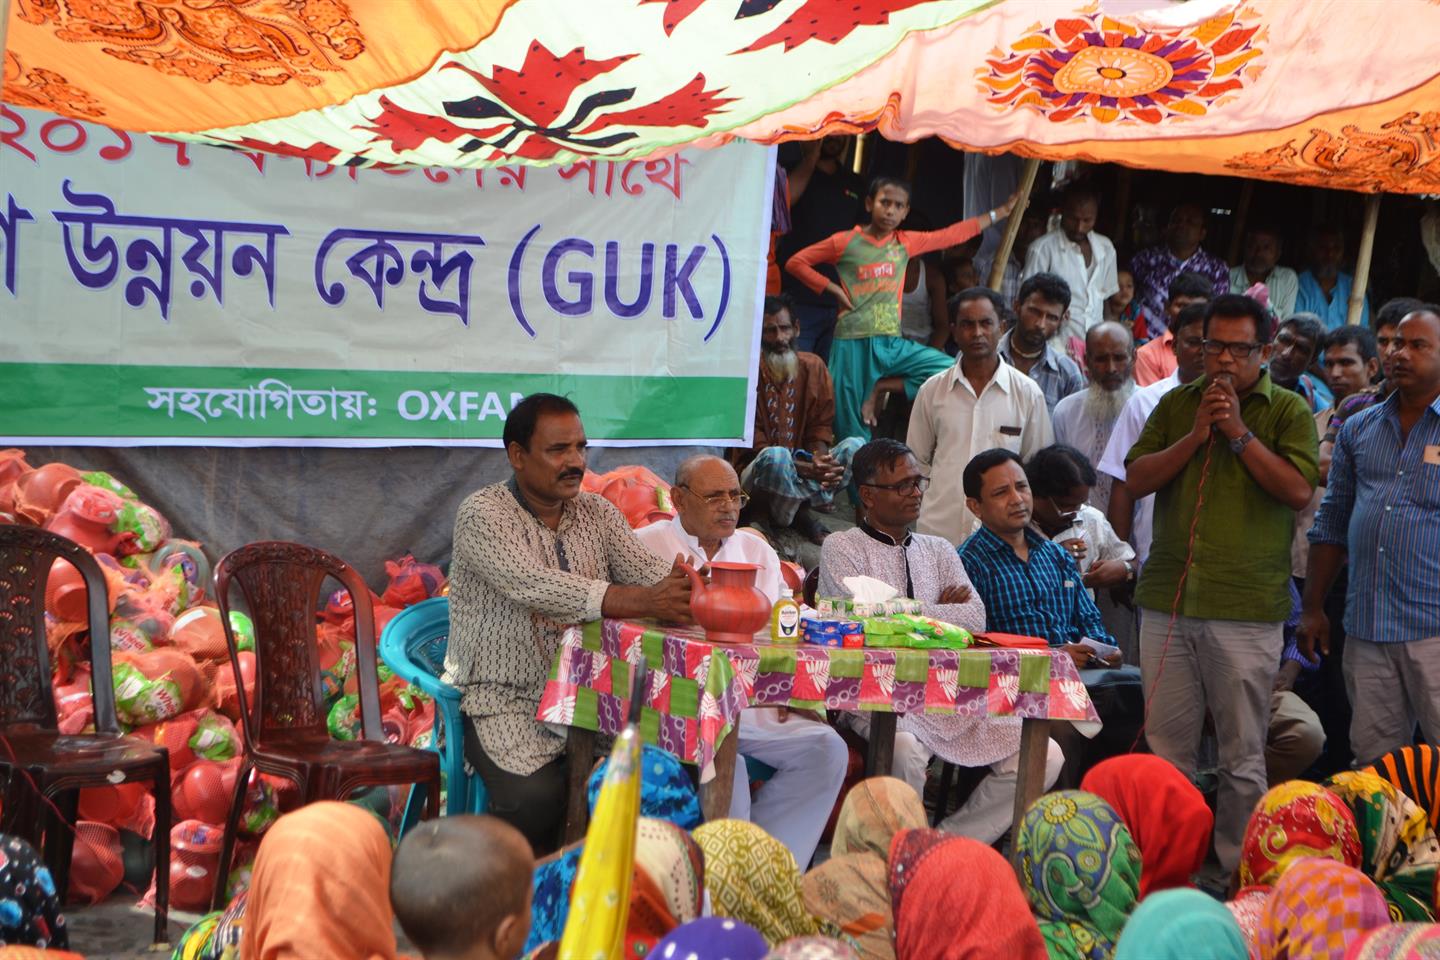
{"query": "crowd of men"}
(1240, 519)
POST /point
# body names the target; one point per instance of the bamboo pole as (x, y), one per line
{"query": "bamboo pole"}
(1012, 226)
(1362, 259)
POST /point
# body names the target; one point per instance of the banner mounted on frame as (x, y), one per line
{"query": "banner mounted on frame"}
(164, 293)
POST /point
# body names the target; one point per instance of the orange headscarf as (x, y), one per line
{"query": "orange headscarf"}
(321, 888)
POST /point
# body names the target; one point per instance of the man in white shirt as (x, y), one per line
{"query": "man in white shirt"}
(1084, 420)
(1082, 258)
(1262, 265)
(809, 757)
(1132, 520)
(978, 404)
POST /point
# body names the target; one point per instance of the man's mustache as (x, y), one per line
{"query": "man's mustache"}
(571, 475)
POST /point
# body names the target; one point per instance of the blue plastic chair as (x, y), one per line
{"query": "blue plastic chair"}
(413, 645)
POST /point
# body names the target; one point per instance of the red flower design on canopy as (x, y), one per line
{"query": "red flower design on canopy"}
(1098, 68)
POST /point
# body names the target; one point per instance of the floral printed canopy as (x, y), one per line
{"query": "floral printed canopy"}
(1339, 93)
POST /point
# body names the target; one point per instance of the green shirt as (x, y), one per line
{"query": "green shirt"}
(1241, 558)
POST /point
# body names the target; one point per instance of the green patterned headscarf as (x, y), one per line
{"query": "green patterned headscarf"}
(1081, 870)
(1400, 851)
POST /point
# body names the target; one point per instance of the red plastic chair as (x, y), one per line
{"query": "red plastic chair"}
(30, 743)
(285, 730)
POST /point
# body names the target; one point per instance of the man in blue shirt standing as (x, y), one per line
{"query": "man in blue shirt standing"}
(1382, 512)
(1325, 288)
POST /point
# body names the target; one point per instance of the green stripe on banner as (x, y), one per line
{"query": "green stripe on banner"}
(777, 659)
(590, 635)
(652, 645)
(650, 724)
(104, 400)
(684, 697)
(1034, 674)
(620, 672)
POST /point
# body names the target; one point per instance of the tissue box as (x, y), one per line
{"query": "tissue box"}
(834, 633)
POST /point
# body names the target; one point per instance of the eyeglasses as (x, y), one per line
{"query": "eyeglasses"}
(1066, 516)
(714, 500)
(905, 487)
(1240, 351)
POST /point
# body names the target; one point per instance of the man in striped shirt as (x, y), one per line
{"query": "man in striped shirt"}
(1382, 512)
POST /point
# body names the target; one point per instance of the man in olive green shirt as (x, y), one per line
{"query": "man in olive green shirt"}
(1241, 452)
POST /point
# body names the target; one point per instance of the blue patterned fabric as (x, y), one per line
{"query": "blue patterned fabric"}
(666, 792)
(29, 907)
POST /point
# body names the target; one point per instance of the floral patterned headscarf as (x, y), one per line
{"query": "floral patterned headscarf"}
(1081, 871)
(1399, 850)
(1294, 820)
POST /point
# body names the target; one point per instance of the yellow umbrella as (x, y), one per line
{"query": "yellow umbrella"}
(600, 902)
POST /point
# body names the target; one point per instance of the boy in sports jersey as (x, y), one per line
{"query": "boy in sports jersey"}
(869, 355)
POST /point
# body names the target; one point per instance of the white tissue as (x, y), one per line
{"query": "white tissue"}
(870, 590)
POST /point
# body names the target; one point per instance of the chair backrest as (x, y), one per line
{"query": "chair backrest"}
(413, 644)
(281, 584)
(26, 695)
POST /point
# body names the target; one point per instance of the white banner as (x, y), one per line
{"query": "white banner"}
(162, 293)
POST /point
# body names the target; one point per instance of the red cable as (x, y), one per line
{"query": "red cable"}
(1179, 589)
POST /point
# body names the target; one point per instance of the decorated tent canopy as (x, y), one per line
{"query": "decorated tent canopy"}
(1338, 93)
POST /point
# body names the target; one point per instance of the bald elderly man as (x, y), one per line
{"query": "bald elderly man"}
(808, 756)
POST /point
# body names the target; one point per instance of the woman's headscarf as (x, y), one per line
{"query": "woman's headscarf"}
(1181, 925)
(957, 898)
(666, 792)
(1081, 870)
(712, 938)
(1399, 941)
(752, 877)
(853, 893)
(666, 889)
(29, 906)
(1399, 850)
(321, 887)
(812, 948)
(851, 889)
(1317, 910)
(1295, 820)
(1165, 813)
(1416, 771)
(873, 812)
(1248, 908)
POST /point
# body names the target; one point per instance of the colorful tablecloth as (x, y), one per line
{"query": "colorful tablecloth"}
(697, 689)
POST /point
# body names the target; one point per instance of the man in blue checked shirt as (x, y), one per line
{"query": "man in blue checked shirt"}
(1382, 512)
(1030, 584)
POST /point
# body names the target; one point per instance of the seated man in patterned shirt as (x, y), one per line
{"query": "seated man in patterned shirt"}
(794, 464)
(927, 569)
(532, 556)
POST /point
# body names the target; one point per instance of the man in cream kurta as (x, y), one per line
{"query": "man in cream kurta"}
(951, 421)
(809, 757)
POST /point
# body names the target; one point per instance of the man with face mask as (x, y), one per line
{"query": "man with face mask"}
(1325, 288)
(792, 468)
(1262, 265)
(1230, 458)
(532, 556)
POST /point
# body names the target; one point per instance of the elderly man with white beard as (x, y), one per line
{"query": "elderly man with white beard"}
(1084, 420)
(791, 469)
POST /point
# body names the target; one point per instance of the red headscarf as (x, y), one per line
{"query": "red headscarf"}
(937, 917)
(1164, 812)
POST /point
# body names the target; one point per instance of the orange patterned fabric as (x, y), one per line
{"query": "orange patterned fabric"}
(1318, 910)
(185, 64)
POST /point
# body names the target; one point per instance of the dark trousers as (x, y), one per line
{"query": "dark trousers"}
(533, 804)
(817, 329)
(1324, 690)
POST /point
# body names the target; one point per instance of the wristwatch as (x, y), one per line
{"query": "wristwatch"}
(1237, 446)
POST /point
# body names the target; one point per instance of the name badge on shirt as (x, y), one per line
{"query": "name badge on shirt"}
(1432, 454)
(1010, 431)
(1069, 584)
